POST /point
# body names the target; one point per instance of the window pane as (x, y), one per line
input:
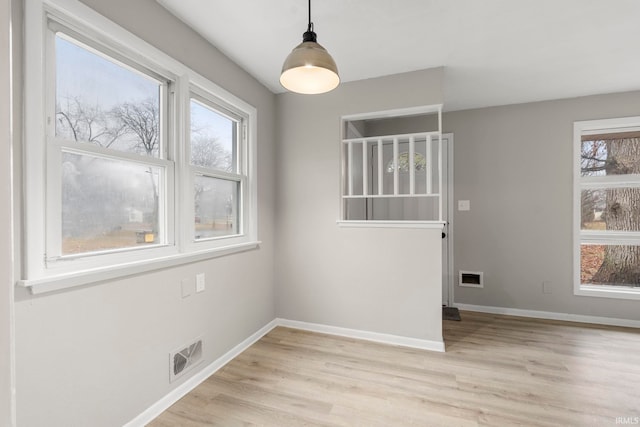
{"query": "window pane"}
(102, 102)
(616, 209)
(108, 204)
(600, 157)
(216, 207)
(213, 139)
(617, 265)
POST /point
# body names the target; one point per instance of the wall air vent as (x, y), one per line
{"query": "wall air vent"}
(184, 359)
(471, 279)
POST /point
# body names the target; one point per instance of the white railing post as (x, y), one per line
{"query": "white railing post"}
(380, 168)
(429, 168)
(350, 166)
(396, 180)
(412, 166)
(365, 172)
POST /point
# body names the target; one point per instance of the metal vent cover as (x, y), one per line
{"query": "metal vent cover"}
(184, 359)
(471, 279)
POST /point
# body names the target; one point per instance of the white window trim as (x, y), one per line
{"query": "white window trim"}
(36, 276)
(241, 176)
(579, 236)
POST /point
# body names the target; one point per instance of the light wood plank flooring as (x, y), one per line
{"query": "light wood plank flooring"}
(498, 371)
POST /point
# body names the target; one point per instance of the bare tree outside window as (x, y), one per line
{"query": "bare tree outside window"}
(141, 121)
(80, 122)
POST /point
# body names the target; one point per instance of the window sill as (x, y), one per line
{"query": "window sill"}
(603, 291)
(438, 225)
(80, 278)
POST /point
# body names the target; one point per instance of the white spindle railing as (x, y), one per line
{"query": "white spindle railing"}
(393, 146)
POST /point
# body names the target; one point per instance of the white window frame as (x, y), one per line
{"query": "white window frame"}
(42, 275)
(586, 127)
(241, 175)
(56, 146)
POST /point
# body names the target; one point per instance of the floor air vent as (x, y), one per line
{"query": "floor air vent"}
(185, 358)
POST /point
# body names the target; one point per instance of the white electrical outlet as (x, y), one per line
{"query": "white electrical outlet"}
(200, 282)
(547, 288)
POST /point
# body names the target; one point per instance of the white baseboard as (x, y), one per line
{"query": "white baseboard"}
(610, 321)
(176, 394)
(431, 345)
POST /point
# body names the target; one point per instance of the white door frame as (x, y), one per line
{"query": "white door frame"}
(448, 276)
(7, 330)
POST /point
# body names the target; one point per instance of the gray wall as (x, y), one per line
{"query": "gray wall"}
(6, 249)
(98, 355)
(385, 281)
(514, 163)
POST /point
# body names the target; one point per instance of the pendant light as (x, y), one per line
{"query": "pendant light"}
(309, 69)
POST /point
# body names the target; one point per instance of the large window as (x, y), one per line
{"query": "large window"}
(607, 207)
(107, 157)
(133, 161)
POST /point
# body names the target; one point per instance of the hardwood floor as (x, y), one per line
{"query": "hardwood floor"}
(498, 371)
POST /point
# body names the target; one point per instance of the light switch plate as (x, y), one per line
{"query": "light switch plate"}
(464, 205)
(200, 282)
(187, 287)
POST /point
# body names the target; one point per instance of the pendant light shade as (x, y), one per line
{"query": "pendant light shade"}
(309, 69)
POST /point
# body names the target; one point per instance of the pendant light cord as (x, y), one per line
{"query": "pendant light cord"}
(309, 36)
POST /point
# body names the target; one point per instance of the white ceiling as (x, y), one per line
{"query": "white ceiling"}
(495, 52)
